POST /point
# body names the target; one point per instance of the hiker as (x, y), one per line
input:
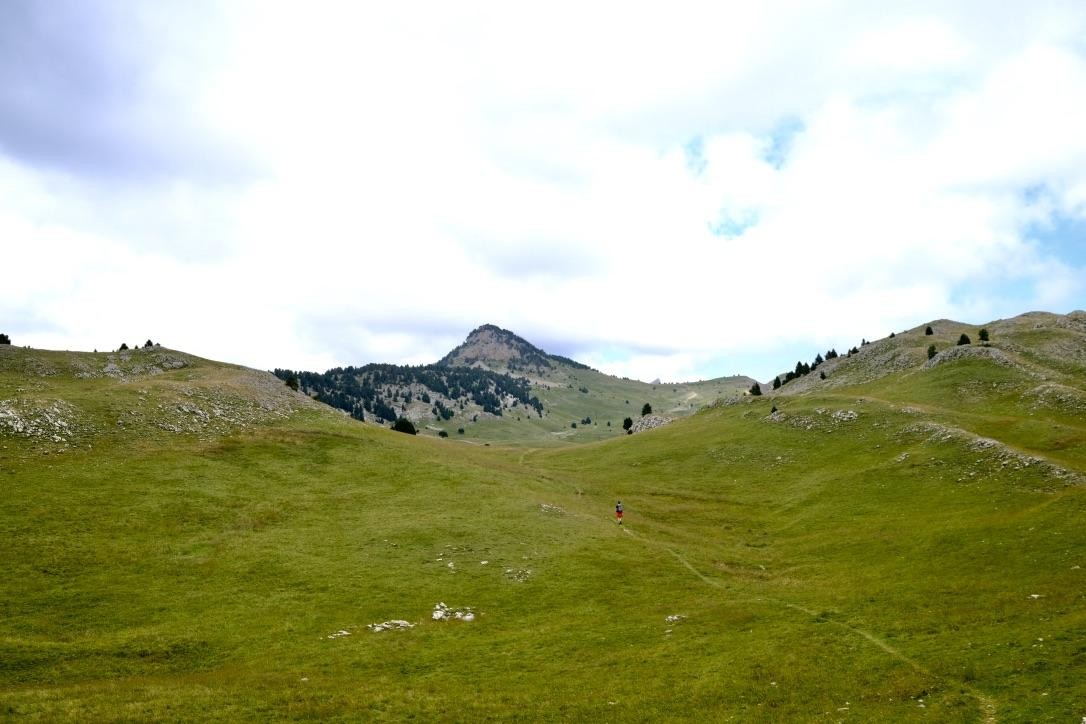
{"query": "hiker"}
(618, 511)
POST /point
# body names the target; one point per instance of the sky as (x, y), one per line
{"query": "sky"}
(674, 190)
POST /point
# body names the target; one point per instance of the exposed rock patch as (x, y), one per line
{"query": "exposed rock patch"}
(56, 421)
(1057, 397)
(650, 422)
(823, 420)
(968, 351)
(995, 455)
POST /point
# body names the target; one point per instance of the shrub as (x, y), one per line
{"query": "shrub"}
(931, 351)
(891, 335)
(148, 343)
(964, 339)
(929, 331)
(646, 409)
(123, 347)
(442, 433)
(822, 375)
(755, 389)
(773, 410)
(404, 425)
(573, 425)
(627, 423)
(983, 335)
(459, 431)
(4, 339)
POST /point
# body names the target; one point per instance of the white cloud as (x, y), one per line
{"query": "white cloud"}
(610, 178)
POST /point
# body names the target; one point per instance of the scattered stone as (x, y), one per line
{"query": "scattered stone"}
(443, 613)
(520, 575)
(548, 508)
(339, 634)
(394, 624)
(675, 618)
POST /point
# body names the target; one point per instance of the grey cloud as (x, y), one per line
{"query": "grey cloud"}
(83, 90)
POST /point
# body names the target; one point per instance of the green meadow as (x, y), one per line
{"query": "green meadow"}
(902, 541)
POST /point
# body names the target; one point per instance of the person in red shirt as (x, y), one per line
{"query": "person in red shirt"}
(618, 512)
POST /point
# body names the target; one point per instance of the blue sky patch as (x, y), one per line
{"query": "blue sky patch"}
(780, 141)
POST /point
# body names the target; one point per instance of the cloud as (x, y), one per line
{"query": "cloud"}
(657, 193)
(100, 90)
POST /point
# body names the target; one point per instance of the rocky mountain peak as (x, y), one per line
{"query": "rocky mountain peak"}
(495, 348)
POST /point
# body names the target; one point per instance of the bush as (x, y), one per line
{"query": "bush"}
(755, 389)
(627, 423)
(931, 351)
(149, 343)
(573, 425)
(983, 335)
(821, 375)
(964, 339)
(646, 409)
(442, 433)
(929, 331)
(4, 339)
(459, 431)
(404, 425)
(123, 347)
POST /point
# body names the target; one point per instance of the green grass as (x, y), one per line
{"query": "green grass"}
(827, 569)
(571, 395)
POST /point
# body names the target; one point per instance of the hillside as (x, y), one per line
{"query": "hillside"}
(904, 544)
(498, 387)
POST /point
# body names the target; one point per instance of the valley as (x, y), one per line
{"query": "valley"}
(900, 541)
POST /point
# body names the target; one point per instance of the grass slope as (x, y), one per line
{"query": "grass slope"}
(570, 395)
(901, 546)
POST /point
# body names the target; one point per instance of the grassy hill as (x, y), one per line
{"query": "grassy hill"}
(902, 544)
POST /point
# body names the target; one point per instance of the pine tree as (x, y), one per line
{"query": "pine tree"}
(964, 339)
(646, 409)
(931, 351)
(404, 425)
(776, 383)
(755, 389)
(983, 335)
(929, 331)
(4, 339)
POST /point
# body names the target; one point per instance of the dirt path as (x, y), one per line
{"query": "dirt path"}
(986, 703)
